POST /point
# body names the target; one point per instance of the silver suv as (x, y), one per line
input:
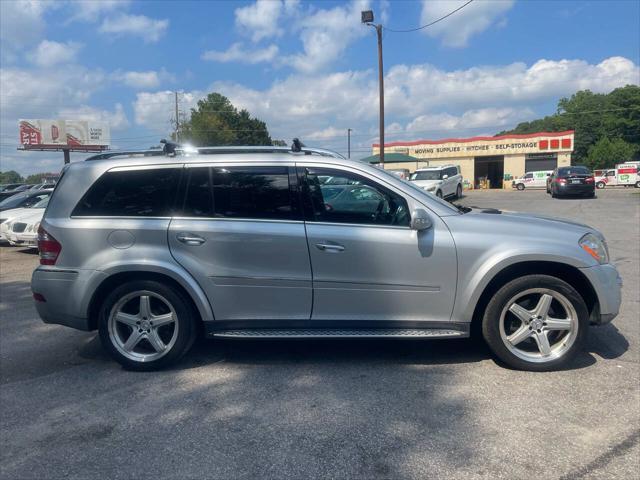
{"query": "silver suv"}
(442, 180)
(153, 251)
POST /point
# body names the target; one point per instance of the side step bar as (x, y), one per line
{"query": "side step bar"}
(342, 333)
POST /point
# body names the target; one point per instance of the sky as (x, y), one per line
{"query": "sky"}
(308, 69)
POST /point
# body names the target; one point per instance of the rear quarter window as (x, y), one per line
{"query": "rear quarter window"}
(131, 193)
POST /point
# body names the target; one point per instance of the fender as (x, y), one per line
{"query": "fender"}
(490, 265)
(172, 270)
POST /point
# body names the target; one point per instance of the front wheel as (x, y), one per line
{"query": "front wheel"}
(146, 325)
(459, 191)
(536, 323)
(520, 186)
(439, 194)
(601, 185)
(637, 184)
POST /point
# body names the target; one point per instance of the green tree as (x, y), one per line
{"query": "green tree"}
(10, 176)
(216, 121)
(607, 153)
(593, 116)
(279, 143)
(35, 178)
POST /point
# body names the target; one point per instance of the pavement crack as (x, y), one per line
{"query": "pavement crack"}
(604, 459)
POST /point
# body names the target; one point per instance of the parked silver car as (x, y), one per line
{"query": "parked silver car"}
(239, 242)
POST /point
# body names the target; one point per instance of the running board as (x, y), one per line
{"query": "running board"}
(342, 333)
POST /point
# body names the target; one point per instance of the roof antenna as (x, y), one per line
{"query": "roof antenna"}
(297, 145)
(169, 148)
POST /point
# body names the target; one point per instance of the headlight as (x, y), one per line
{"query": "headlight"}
(595, 247)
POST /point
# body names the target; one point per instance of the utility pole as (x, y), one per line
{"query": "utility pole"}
(177, 119)
(367, 18)
(349, 142)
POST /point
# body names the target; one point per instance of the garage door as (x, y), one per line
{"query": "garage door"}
(534, 162)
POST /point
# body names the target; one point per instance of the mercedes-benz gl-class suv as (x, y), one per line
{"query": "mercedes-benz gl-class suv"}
(154, 250)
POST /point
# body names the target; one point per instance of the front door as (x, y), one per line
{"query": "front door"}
(240, 234)
(367, 264)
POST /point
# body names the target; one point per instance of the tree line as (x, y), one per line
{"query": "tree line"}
(607, 126)
(11, 176)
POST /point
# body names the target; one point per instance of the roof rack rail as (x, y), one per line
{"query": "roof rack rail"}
(173, 149)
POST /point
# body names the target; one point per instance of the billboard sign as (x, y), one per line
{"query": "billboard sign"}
(59, 134)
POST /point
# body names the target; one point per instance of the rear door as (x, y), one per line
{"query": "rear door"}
(239, 232)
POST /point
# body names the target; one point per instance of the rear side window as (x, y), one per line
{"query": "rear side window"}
(131, 193)
(261, 193)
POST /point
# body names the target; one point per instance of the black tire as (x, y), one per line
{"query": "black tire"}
(186, 323)
(492, 318)
(601, 185)
(637, 185)
(439, 193)
(520, 186)
(459, 191)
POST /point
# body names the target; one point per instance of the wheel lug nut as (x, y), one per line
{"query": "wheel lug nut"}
(539, 331)
(137, 323)
(139, 330)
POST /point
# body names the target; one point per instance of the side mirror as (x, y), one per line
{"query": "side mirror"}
(420, 220)
(444, 177)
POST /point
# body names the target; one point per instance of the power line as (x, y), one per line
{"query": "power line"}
(429, 24)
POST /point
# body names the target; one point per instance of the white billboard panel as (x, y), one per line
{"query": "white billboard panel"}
(64, 133)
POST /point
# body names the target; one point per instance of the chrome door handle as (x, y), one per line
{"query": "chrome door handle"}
(329, 247)
(190, 238)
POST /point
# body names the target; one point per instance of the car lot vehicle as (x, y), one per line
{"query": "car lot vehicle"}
(13, 191)
(9, 186)
(403, 173)
(625, 174)
(442, 180)
(23, 200)
(574, 180)
(23, 230)
(241, 242)
(8, 216)
(536, 179)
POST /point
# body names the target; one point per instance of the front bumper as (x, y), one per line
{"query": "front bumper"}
(607, 283)
(23, 240)
(66, 293)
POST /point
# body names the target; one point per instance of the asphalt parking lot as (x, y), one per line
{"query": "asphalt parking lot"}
(326, 409)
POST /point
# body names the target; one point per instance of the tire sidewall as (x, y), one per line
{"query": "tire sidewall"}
(491, 321)
(186, 324)
(459, 191)
(520, 186)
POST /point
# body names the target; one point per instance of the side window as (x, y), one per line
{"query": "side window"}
(252, 192)
(529, 175)
(453, 171)
(131, 193)
(198, 201)
(352, 199)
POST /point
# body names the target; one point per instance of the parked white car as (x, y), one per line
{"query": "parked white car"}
(441, 180)
(537, 179)
(8, 217)
(24, 229)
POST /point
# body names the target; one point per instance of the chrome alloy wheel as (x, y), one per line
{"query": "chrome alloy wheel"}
(538, 325)
(143, 326)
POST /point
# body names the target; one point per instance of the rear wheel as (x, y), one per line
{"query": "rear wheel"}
(459, 191)
(146, 325)
(638, 184)
(601, 185)
(536, 323)
(520, 186)
(439, 194)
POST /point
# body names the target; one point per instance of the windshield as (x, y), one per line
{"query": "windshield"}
(426, 175)
(573, 171)
(22, 200)
(12, 200)
(42, 203)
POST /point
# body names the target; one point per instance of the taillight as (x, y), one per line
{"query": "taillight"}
(561, 181)
(589, 180)
(48, 247)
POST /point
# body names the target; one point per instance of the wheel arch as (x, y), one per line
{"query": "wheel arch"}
(195, 298)
(570, 274)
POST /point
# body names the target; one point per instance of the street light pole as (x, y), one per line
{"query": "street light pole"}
(349, 143)
(367, 18)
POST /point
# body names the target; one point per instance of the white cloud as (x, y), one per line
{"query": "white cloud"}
(236, 53)
(456, 30)
(149, 29)
(155, 110)
(261, 19)
(142, 80)
(490, 119)
(49, 53)
(21, 26)
(92, 10)
(325, 35)
(116, 119)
